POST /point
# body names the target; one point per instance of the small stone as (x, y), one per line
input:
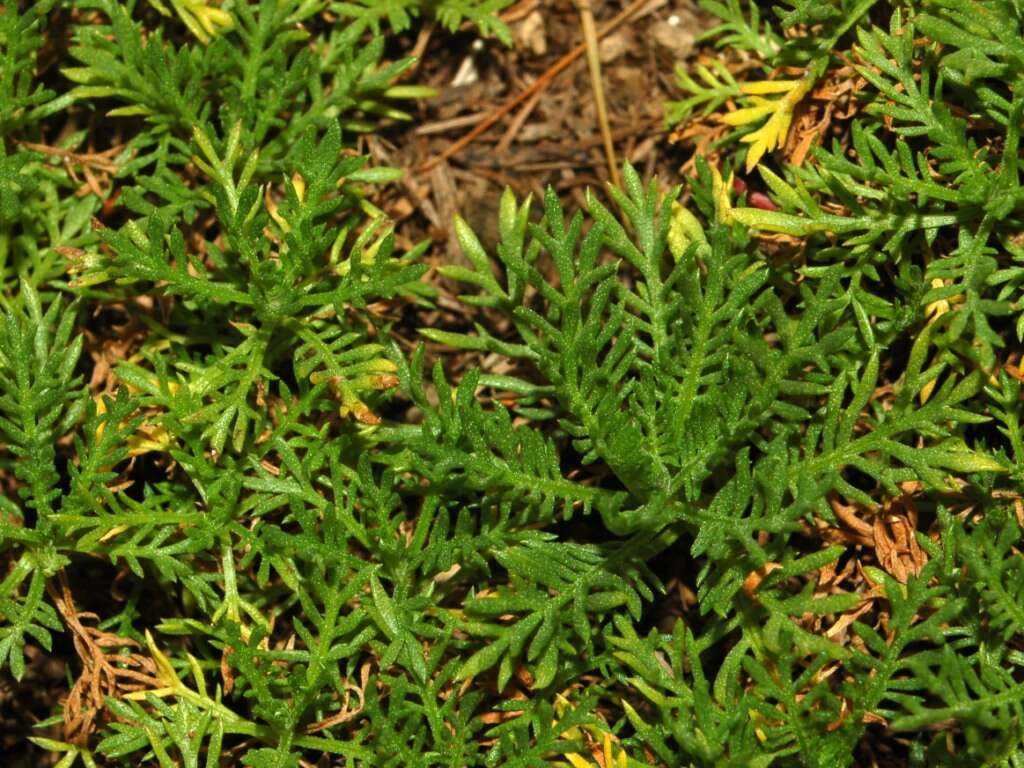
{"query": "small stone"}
(676, 38)
(630, 81)
(530, 34)
(467, 74)
(535, 132)
(612, 47)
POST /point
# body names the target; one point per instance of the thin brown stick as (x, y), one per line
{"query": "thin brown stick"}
(597, 85)
(441, 126)
(541, 82)
(99, 160)
(517, 124)
(519, 11)
(422, 40)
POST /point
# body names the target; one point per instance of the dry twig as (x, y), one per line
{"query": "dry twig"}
(596, 83)
(526, 93)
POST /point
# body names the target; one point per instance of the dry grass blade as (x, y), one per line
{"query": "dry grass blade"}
(526, 93)
(597, 84)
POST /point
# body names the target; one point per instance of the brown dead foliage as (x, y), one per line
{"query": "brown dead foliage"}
(830, 104)
(886, 534)
(109, 666)
(346, 712)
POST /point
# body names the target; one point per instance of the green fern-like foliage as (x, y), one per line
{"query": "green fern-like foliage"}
(738, 484)
(723, 409)
(451, 14)
(263, 292)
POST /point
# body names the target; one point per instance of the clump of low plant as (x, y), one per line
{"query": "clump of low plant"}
(745, 492)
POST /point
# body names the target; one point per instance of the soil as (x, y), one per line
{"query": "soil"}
(552, 139)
